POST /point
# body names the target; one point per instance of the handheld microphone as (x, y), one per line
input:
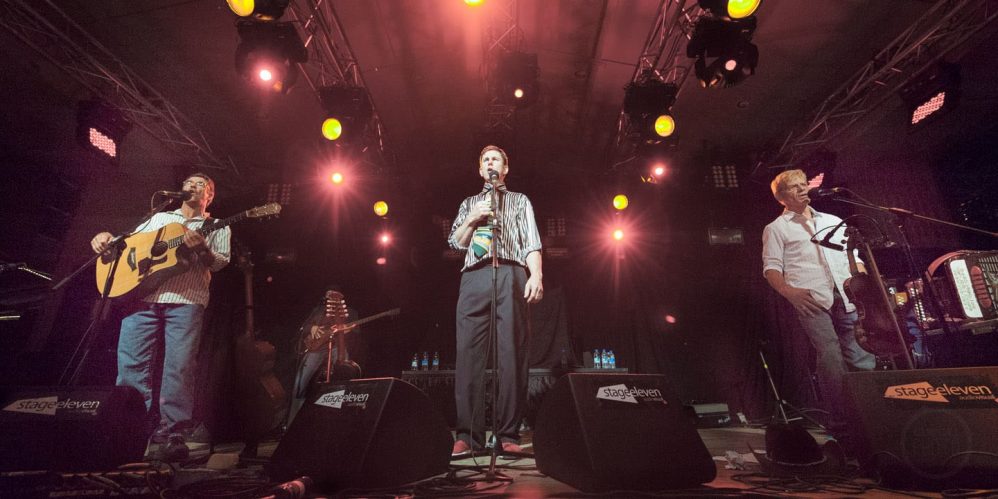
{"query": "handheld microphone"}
(821, 193)
(493, 176)
(182, 195)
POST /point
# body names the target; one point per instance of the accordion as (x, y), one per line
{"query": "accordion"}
(966, 288)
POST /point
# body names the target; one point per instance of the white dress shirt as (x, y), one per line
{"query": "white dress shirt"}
(787, 248)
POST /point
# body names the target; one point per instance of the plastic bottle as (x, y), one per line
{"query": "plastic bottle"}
(612, 358)
(425, 364)
(436, 361)
(414, 364)
(604, 359)
(596, 359)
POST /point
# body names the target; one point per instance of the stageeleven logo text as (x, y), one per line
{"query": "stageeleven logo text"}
(621, 393)
(49, 405)
(923, 391)
(338, 398)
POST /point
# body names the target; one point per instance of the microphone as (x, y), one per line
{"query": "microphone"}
(11, 266)
(290, 490)
(822, 193)
(493, 177)
(182, 195)
(826, 241)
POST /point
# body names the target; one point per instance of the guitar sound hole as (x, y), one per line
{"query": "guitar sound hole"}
(158, 249)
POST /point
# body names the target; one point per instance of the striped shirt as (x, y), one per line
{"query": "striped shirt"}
(191, 287)
(517, 236)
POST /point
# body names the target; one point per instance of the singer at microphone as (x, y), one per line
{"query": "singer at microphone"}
(799, 267)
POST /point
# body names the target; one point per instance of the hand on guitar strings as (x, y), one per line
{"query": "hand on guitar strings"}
(321, 331)
(101, 242)
(195, 241)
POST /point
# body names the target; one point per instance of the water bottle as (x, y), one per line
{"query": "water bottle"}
(613, 359)
(414, 365)
(596, 359)
(604, 360)
(436, 361)
(425, 365)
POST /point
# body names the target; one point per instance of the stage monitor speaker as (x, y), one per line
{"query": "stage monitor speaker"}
(71, 428)
(365, 433)
(603, 432)
(928, 428)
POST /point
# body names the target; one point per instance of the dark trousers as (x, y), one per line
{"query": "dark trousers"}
(473, 310)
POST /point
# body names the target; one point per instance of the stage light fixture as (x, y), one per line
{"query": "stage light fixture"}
(658, 171)
(101, 127)
(348, 112)
(730, 9)
(933, 94)
(268, 54)
(515, 79)
(724, 53)
(264, 10)
(385, 238)
(474, 3)
(336, 178)
(647, 104)
(381, 260)
(618, 235)
(380, 208)
(620, 202)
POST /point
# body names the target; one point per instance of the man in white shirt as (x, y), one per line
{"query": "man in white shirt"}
(811, 277)
(169, 319)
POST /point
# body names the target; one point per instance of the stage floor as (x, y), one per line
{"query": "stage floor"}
(528, 482)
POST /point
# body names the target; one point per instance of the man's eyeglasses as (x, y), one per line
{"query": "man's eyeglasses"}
(198, 183)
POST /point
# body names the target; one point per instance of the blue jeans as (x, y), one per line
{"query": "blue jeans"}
(174, 330)
(833, 335)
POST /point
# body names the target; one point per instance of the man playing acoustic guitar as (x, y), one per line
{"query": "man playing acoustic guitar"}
(169, 318)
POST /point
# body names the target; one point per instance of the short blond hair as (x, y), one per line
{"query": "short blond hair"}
(785, 178)
(505, 159)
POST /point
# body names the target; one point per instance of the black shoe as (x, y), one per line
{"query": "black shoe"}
(161, 435)
(174, 450)
(198, 434)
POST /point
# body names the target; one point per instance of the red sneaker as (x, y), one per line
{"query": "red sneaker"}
(461, 448)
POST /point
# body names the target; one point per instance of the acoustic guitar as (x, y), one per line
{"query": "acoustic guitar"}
(149, 258)
(343, 369)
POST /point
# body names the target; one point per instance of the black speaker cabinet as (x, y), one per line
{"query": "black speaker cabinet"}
(71, 428)
(928, 428)
(366, 433)
(601, 432)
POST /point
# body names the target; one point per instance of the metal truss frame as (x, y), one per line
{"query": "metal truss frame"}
(664, 55)
(947, 25)
(47, 30)
(502, 36)
(331, 59)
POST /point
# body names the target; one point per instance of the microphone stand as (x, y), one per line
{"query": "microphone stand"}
(898, 215)
(492, 475)
(71, 372)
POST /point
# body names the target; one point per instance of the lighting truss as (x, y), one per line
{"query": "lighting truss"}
(502, 36)
(331, 60)
(943, 28)
(664, 54)
(47, 30)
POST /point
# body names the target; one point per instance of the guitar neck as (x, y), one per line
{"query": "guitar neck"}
(204, 231)
(365, 320)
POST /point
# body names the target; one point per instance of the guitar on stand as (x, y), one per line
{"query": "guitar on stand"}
(343, 369)
(261, 394)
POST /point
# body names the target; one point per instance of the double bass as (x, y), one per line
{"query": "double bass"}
(877, 330)
(261, 394)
